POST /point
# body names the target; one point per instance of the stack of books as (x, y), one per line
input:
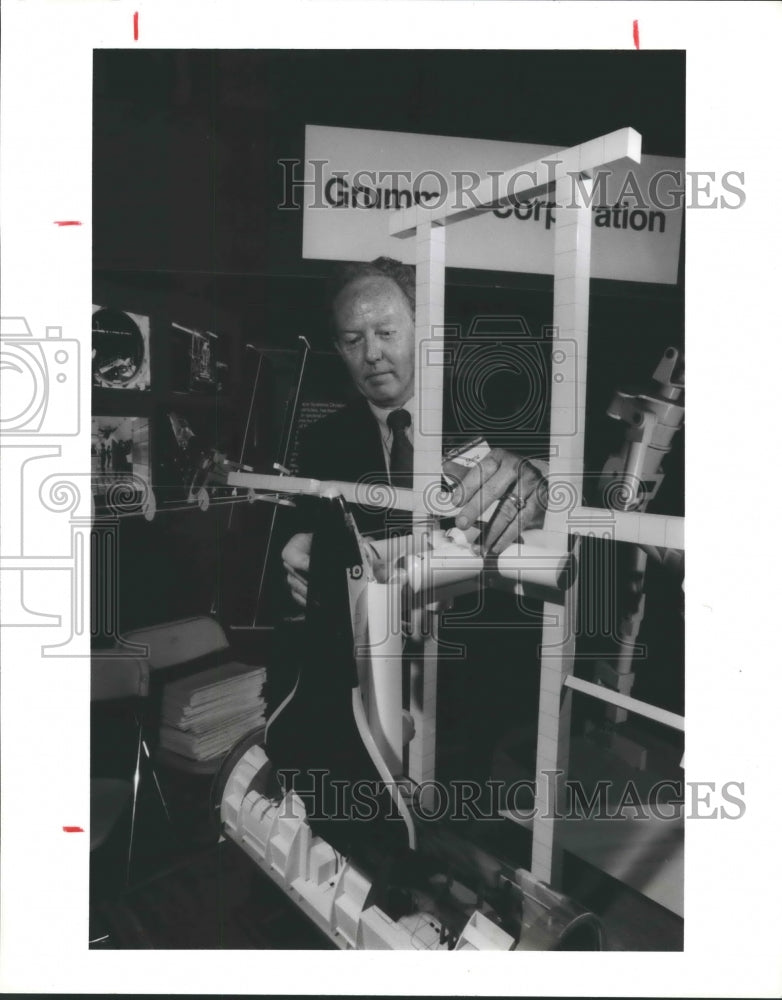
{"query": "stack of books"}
(205, 714)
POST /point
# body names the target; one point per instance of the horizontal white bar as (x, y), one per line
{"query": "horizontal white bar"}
(624, 143)
(627, 526)
(625, 701)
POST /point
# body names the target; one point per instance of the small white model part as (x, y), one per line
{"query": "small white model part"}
(448, 563)
(542, 560)
(482, 934)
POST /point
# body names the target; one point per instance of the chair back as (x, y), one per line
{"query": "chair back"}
(175, 643)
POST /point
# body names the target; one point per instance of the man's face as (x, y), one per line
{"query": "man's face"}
(376, 339)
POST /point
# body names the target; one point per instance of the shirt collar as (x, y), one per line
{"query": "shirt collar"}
(381, 414)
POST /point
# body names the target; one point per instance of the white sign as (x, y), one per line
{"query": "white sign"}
(352, 179)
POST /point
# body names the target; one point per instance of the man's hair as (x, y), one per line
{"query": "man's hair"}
(403, 275)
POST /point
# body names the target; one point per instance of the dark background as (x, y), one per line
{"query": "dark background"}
(186, 183)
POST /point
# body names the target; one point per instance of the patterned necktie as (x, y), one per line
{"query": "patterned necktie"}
(401, 464)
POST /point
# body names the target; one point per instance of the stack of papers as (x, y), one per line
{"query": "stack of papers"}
(206, 714)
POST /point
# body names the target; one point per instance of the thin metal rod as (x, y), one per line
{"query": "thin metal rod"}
(194, 333)
(251, 407)
(306, 348)
(136, 782)
(175, 508)
(156, 780)
(250, 411)
(291, 423)
(248, 421)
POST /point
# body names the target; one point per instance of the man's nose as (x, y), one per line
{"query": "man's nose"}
(373, 349)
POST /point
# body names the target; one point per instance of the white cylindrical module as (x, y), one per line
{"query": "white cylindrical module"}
(543, 560)
(447, 564)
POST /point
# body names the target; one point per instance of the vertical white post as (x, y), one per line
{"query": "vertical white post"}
(572, 247)
(427, 464)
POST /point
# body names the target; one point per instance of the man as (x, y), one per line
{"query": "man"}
(374, 334)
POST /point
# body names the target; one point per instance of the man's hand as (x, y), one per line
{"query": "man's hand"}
(296, 560)
(515, 483)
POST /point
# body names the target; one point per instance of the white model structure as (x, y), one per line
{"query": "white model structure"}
(565, 515)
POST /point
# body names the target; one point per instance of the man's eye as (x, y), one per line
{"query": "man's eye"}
(385, 334)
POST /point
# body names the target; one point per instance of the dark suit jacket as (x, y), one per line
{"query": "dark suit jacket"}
(345, 446)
